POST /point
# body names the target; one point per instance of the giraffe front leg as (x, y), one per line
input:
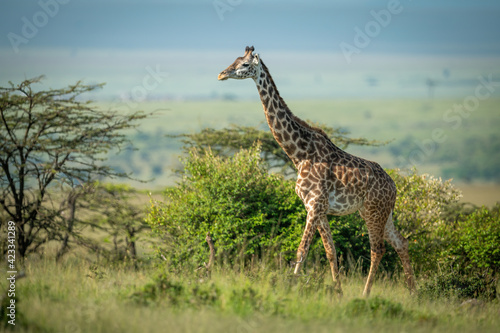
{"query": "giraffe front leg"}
(331, 253)
(305, 243)
(377, 247)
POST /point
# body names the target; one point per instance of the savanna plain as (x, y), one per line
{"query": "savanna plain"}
(86, 292)
(466, 150)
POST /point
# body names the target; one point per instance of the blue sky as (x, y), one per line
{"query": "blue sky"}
(423, 26)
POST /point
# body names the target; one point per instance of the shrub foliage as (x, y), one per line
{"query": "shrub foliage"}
(253, 213)
(473, 241)
(420, 204)
(246, 210)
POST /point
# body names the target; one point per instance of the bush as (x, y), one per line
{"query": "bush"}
(472, 241)
(246, 210)
(462, 286)
(419, 208)
(469, 253)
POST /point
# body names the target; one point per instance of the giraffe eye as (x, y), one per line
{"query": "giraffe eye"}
(246, 64)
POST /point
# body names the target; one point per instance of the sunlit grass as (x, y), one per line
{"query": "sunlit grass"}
(80, 296)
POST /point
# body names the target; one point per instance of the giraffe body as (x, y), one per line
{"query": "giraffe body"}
(330, 181)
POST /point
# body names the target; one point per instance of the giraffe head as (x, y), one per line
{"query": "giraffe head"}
(244, 67)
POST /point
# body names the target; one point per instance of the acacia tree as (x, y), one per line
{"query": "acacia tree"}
(50, 137)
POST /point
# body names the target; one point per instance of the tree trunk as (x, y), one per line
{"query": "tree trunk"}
(131, 243)
(71, 202)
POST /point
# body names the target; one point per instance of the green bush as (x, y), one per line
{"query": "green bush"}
(462, 286)
(246, 210)
(469, 254)
(473, 241)
(419, 208)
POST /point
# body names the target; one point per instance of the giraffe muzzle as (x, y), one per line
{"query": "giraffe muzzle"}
(223, 76)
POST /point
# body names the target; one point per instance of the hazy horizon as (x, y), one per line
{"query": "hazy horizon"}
(314, 49)
(155, 50)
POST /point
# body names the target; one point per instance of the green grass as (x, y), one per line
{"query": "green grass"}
(79, 296)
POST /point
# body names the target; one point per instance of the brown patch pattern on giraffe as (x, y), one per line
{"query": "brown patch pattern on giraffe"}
(330, 180)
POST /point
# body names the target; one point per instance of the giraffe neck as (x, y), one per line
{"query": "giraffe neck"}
(292, 134)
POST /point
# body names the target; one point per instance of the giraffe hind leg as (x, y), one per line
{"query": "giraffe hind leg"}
(377, 252)
(376, 226)
(400, 244)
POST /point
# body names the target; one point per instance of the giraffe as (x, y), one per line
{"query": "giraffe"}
(330, 181)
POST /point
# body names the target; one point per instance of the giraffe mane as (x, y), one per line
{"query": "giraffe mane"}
(301, 122)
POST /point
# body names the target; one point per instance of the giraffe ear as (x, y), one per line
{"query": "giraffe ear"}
(256, 59)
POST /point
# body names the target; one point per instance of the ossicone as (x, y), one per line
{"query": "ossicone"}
(249, 49)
